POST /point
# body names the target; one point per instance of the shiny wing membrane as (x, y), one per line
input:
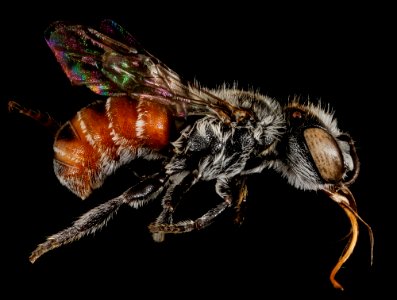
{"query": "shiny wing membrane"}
(111, 62)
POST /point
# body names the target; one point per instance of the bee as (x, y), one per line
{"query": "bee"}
(195, 134)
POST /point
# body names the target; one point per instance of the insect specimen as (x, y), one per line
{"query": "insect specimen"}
(221, 135)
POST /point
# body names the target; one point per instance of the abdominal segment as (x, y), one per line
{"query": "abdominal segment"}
(106, 135)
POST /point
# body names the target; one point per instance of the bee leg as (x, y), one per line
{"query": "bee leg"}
(177, 185)
(189, 225)
(240, 192)
(225, 188)
(43, 118)
(235, 189)
(98, 217)
(88, 223)
(145, 191)
(165, 217)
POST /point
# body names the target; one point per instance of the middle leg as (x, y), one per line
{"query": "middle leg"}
(232, 192)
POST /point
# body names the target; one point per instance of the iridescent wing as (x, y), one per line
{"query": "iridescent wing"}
(110, 61)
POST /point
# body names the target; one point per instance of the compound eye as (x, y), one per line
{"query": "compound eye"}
(326, 154)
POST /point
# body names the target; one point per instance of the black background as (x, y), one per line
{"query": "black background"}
(291, 239)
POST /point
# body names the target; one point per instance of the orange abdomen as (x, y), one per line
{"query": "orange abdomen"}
(106, 135)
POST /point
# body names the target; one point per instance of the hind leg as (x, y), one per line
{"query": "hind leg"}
(98, 217)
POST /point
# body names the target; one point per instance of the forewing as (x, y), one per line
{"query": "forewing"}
(110, 61)
(80, 57)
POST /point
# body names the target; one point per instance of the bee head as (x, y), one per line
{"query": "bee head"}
(314, 154)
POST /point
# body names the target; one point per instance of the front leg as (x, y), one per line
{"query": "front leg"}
(236, 189)
(240, 193)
